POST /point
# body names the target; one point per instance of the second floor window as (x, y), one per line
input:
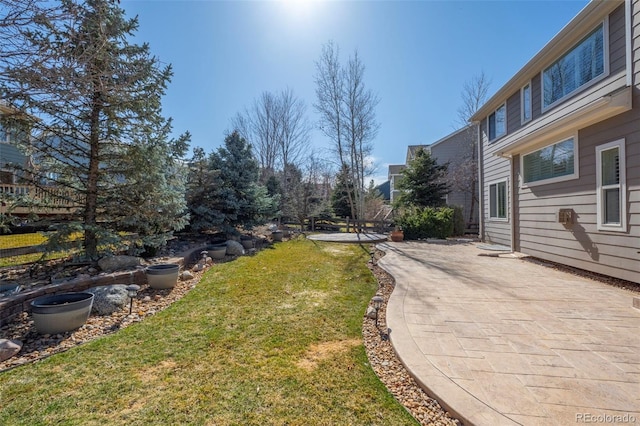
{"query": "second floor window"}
(581, 65)
(498, 122)
(526, 103)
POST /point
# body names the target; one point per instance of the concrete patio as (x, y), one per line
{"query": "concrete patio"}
(503, 341)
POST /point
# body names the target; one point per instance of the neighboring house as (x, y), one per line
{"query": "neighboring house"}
(11, 157)
(559, 147)
(458, 150)
(395, 174)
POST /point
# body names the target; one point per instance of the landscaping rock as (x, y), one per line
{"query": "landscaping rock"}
(371, 312)
(109, 298)
(9, 348)
(117, 263)
(234, 248)
(186, 275)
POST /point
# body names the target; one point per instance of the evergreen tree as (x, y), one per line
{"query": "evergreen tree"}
(340, 195)
(423, 182)
(99, 127)
(225, 192)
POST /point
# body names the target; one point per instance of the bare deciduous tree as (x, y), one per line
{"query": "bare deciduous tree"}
(463, 171)
(347, 117)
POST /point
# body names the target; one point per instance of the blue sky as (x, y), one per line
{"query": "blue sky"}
(418, 55)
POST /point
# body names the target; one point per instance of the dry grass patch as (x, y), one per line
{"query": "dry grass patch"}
(318, 353)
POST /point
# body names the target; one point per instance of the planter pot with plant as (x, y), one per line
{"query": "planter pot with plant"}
(59, 313)
(164, 275)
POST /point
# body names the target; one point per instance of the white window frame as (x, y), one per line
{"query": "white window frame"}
(622, 185)
(497, 136)
(605, 73)
(576, 163)
(524, 119)
(506, 201)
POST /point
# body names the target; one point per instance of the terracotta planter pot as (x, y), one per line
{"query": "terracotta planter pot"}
(61, 312)
(163, 276)
(397, 236)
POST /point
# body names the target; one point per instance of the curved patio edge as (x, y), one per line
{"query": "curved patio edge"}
(456, 400)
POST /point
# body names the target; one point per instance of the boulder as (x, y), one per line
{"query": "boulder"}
(371, 312)
(186, 276)
(9, 348)
(118, 263)
(234, 248)
(109, 298)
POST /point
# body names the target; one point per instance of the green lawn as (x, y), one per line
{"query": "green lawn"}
(273, 339)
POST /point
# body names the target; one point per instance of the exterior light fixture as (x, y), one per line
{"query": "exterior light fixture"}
(132, 290)
(377, 301)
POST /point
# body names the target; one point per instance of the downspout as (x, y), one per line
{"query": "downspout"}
(512, 208)
(480, 188)
(628, 6)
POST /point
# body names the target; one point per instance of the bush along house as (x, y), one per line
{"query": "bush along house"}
(559, 147)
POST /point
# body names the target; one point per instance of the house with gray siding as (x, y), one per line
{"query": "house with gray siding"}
(559, 147)
(10, 155)
(458, 151)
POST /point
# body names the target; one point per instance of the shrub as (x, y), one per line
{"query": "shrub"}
(427, 222)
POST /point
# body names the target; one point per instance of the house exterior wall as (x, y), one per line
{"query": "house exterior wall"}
(597, 114)
(453, 149)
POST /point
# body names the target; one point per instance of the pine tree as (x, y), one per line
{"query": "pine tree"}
(227, 193)
(423, 182)
(99, 129)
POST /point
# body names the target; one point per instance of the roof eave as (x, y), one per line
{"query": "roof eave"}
(589, 16)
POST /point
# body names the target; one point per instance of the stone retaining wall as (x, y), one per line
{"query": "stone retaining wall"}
(14, 305)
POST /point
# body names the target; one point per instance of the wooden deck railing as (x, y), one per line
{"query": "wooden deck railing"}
(46, 201)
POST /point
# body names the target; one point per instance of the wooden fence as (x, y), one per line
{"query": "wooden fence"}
(316, 224)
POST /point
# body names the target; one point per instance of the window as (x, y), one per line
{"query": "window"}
(525, 106)
(581, 65)
(498, 122)
(498, 200)
(611, 186)
(552, 163)
(6, 177)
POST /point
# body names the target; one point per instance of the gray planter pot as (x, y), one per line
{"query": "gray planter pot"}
(218, 251)
(247, 242)
(61, 312)
(277, 235)
(163, 276)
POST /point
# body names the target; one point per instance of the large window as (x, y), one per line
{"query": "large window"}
(552, 163)
(611, 186)
(583, 64)
(525, 105)
(498, 200)
(497, 122)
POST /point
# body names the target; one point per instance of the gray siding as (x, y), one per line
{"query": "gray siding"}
(495, 169)
(536, 228)
(455, 149)
(582, 245)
